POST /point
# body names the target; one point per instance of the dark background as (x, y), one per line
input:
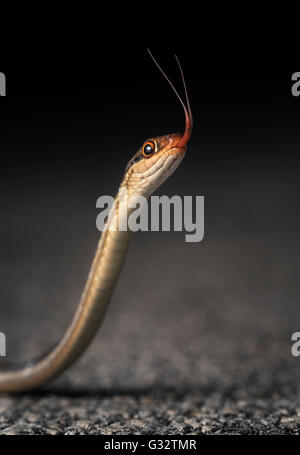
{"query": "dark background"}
(197, 338)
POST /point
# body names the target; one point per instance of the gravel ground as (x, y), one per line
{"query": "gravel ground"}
(197, 338)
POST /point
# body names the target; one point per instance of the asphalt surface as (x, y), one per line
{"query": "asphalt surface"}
(197, 337)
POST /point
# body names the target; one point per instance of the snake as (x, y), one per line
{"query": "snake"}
(151, 165)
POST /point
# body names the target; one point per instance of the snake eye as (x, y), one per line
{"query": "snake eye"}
(149, 149)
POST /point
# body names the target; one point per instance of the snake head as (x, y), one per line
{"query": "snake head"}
(153, 163)
(158, 157)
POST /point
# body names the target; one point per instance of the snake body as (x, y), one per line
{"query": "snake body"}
(103, 275)
(154, 162)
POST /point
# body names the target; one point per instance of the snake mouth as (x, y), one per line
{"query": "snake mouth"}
(180, 150)
(176, 144)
